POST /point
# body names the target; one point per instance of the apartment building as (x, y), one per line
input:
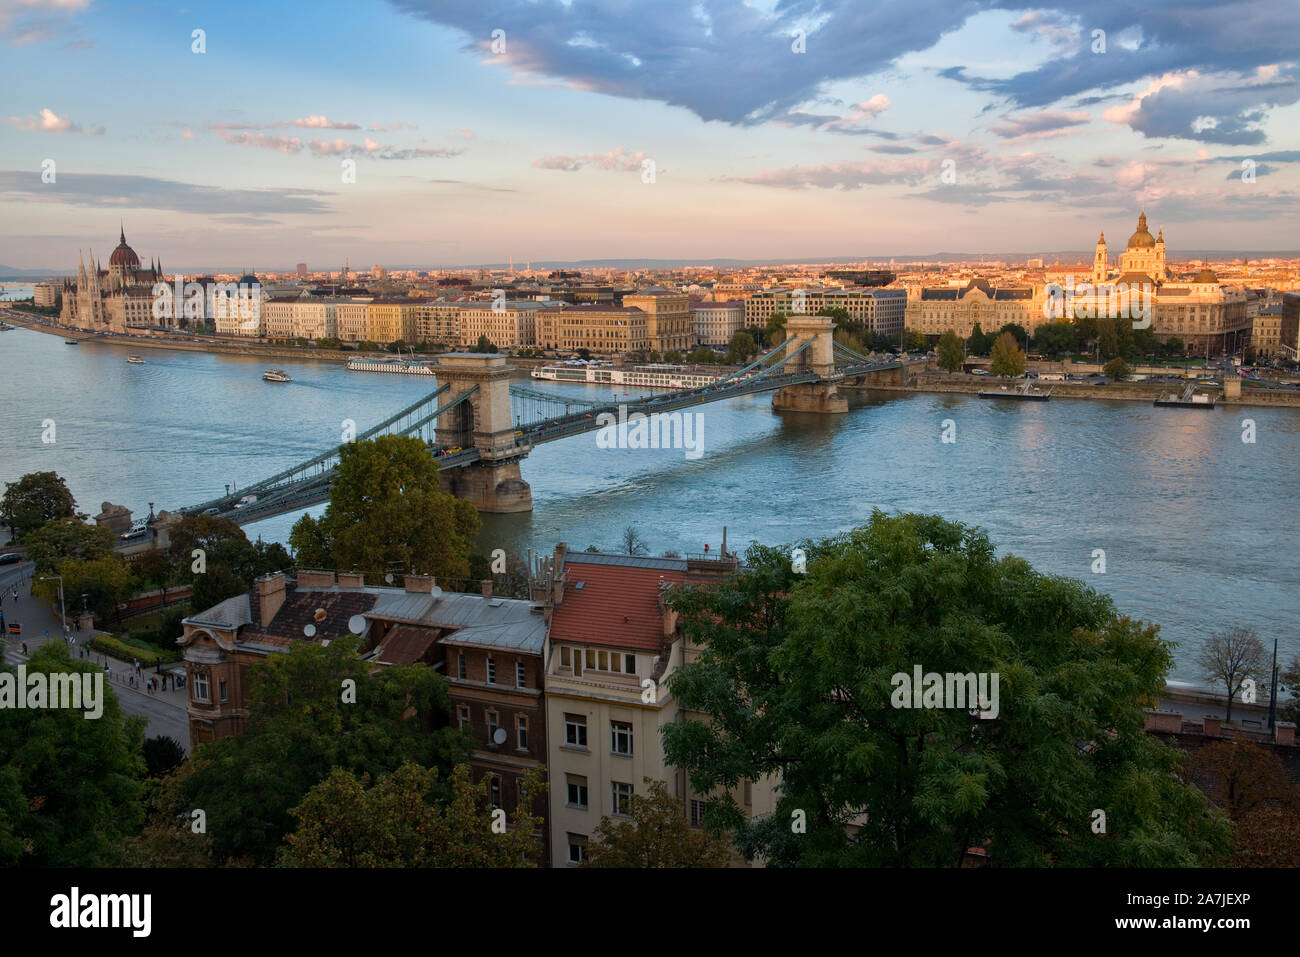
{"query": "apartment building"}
(352, 319)
(277, 318)
(611, 646)
(438, 322)
(315, 318)
(717, 322)
(601, 330)
(874, 310)
(507, 324)
(391, 319)
(669, 326)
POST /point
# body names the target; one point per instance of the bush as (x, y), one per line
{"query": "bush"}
(162, 754)
(126, 649)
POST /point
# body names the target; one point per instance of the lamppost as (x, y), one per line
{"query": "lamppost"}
(62, 614)
(227, 490)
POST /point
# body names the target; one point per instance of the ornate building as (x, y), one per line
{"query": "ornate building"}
(113, 299)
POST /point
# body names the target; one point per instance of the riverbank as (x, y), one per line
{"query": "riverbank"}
(938, 382)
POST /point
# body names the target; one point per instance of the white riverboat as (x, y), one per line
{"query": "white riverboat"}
(276, 375)
(655, 376)
(401, 366)
(135, 360)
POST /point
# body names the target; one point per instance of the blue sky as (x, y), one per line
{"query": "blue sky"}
(539, 149)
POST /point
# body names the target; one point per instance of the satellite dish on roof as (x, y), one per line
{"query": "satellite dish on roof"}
(357, 624)
(309, 631)
(499, 736)
(389, 578)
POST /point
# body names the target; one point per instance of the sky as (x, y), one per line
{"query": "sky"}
(438, 134)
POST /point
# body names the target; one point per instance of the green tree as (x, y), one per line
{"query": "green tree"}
(245, 783)
(394, 823)
(914, 341)
(657, 835)
(69, 785)
(841, 316)
(1117, 369)
(35, 500)
(952, 352)
(104, 581)
(1007, 358)
(64, 538)
(386, 511)
(977, 344)
(674, 357)
(230, 562)
(168, 838)
(799, 676)
(741, 347)
(162, 755)
(774, 331)
(1018, 332)
(1054, 338)
(153, 569)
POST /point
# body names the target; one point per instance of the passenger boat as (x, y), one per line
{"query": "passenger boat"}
(71, 342)
(135, 360)
(276, 375)
(403, 366)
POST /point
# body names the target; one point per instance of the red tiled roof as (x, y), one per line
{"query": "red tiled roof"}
(616, 606)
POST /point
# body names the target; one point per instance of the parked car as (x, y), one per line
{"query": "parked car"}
(11, 558)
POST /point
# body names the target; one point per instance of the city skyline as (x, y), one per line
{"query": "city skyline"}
(465, 154)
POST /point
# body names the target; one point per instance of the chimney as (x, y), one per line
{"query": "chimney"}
(352, 579)
(270, 596)
(1284, 733)
(487, 587)
(420, 584)
(315, 579)
(1213, 726)
(558, 574)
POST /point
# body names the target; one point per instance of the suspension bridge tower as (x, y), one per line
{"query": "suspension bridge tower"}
(493, 483)
(819, 358)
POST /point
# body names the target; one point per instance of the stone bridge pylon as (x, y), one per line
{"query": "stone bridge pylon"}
(819, 358)
(483, 421)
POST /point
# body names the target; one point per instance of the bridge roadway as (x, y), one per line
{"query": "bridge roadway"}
(302, 495)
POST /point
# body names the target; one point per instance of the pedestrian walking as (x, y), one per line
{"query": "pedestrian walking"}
(24, 648)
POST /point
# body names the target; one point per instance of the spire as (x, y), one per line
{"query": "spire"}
(1102, 240)
(1160, 236)
(122, 236)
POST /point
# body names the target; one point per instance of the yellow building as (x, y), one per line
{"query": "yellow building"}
(391, 319)
(669, 326)
(602, 330)
(506, 324)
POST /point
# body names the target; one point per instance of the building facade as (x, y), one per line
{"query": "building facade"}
(717, 322)
(506, 324)
(669, 326)
(601, 330)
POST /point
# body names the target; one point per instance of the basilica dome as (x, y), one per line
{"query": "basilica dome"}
(1141, 239)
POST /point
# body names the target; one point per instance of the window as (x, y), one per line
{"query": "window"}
(749, 792)
(620, 737)
(492, 671)
(461, 671)
(521, 675)
(565, 657)
(492, 726)
(200, 686)
(621, 797)
(521, 732)
(494, 791)
(629, 664)
(222, 686)
(575, 730)
(697, 813)
(462, 716)
(577, 790)
(577, 848)
(591, 658)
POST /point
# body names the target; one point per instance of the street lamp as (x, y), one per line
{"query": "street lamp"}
(62, 613)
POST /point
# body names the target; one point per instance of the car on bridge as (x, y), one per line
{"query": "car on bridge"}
(246, 501)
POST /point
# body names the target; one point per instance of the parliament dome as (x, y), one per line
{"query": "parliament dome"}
(124, 255)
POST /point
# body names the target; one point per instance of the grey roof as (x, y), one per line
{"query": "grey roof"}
(231, 613)
(627, 561)
(402, 605)
(491, 622)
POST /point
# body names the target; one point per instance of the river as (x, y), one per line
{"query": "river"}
(1198, 527)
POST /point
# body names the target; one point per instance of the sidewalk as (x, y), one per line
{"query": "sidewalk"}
(40, 623)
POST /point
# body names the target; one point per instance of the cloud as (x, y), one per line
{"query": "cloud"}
(25, 22)
(317, 123)
(281, 144)
(1261, 169)
(390, 127)
(1057, 29)
(1039, 125)
(616, 159)
(106, 190)
(1210, 108)
(48, 122)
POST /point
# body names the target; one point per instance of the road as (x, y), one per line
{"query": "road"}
(164, 710)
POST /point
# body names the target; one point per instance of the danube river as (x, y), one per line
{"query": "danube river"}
(1199, 528)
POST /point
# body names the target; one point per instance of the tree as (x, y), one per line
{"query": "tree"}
(247, 787)
(799, 676)
(978, 343)
(1007, 358)
(1232, 656)
(914, 341)
(1117, 369)
(1175, 346)
(153, 568)
(741, 347)
(342, 823)
(952, 352)
(483, 345)
(1018, 332)
(1241, 776)
(657, 835)
(386, 511)
(105, 582)
(1054, 338)
(162, 755)
(632, 543)
(69, 785)
(230, 562)
(774, 331)
(1289, 680)
(64, 538)
(35, 500)
(1267, 837)
(841, 316)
